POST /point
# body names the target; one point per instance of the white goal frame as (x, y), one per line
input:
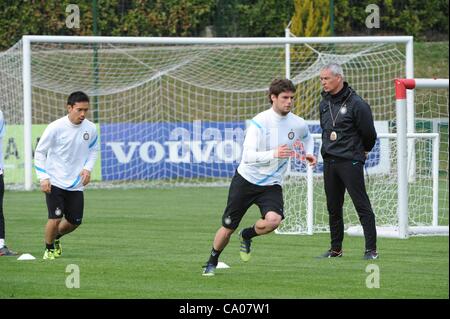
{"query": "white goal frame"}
(401, 87)
(404, 139)
(287, 41)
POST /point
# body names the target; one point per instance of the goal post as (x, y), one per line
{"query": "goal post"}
(401, 87)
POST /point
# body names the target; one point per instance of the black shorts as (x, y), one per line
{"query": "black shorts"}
(69, 204)
(243, 194)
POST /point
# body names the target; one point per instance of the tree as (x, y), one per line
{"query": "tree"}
(254, 18)
(311, 18)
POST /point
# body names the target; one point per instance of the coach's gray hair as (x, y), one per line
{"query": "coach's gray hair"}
(335, 68)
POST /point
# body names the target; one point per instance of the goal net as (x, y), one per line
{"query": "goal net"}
(170, 111)
(173, 111)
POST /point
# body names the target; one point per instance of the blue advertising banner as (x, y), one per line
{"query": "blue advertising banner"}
(145, 151)
(170, 150)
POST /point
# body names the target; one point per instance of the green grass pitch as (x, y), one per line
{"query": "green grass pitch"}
(151, 244)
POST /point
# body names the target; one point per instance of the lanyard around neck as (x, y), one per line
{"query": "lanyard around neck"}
(337, 114)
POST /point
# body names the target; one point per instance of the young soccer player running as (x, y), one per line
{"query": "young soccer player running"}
(268, 145)
(64, 158)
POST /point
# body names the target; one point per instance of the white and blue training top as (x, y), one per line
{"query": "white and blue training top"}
(64, 150)
(265, 132)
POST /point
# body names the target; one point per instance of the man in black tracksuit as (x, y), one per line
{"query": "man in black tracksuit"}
(348, 135)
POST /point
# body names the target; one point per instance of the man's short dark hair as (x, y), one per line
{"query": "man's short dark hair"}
(279, 86)
(76, 97)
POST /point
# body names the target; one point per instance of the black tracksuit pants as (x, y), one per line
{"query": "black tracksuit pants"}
(340, 175)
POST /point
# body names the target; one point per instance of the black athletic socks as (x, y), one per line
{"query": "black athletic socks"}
(214, 256)
(249, 233)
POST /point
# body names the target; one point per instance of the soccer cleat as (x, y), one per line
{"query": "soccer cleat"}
(370, 254)
(5, 251)
(49, 254)
(58, 248)
(331, 254)
(209, 270)
(245, 250)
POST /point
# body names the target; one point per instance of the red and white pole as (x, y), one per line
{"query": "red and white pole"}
(401, 85)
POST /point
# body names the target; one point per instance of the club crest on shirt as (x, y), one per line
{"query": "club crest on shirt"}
(291, 135)
(86, 136)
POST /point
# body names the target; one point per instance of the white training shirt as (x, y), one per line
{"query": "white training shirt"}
(265, 132)
(2, 133)
(64, 150)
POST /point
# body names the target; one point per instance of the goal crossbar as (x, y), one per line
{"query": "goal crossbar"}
(196, 40)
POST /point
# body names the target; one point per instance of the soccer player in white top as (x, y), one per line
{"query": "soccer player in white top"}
(4, 250)
(271, 139)
(64, 159)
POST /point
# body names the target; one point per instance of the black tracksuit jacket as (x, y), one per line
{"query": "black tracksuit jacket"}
(355, 128)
